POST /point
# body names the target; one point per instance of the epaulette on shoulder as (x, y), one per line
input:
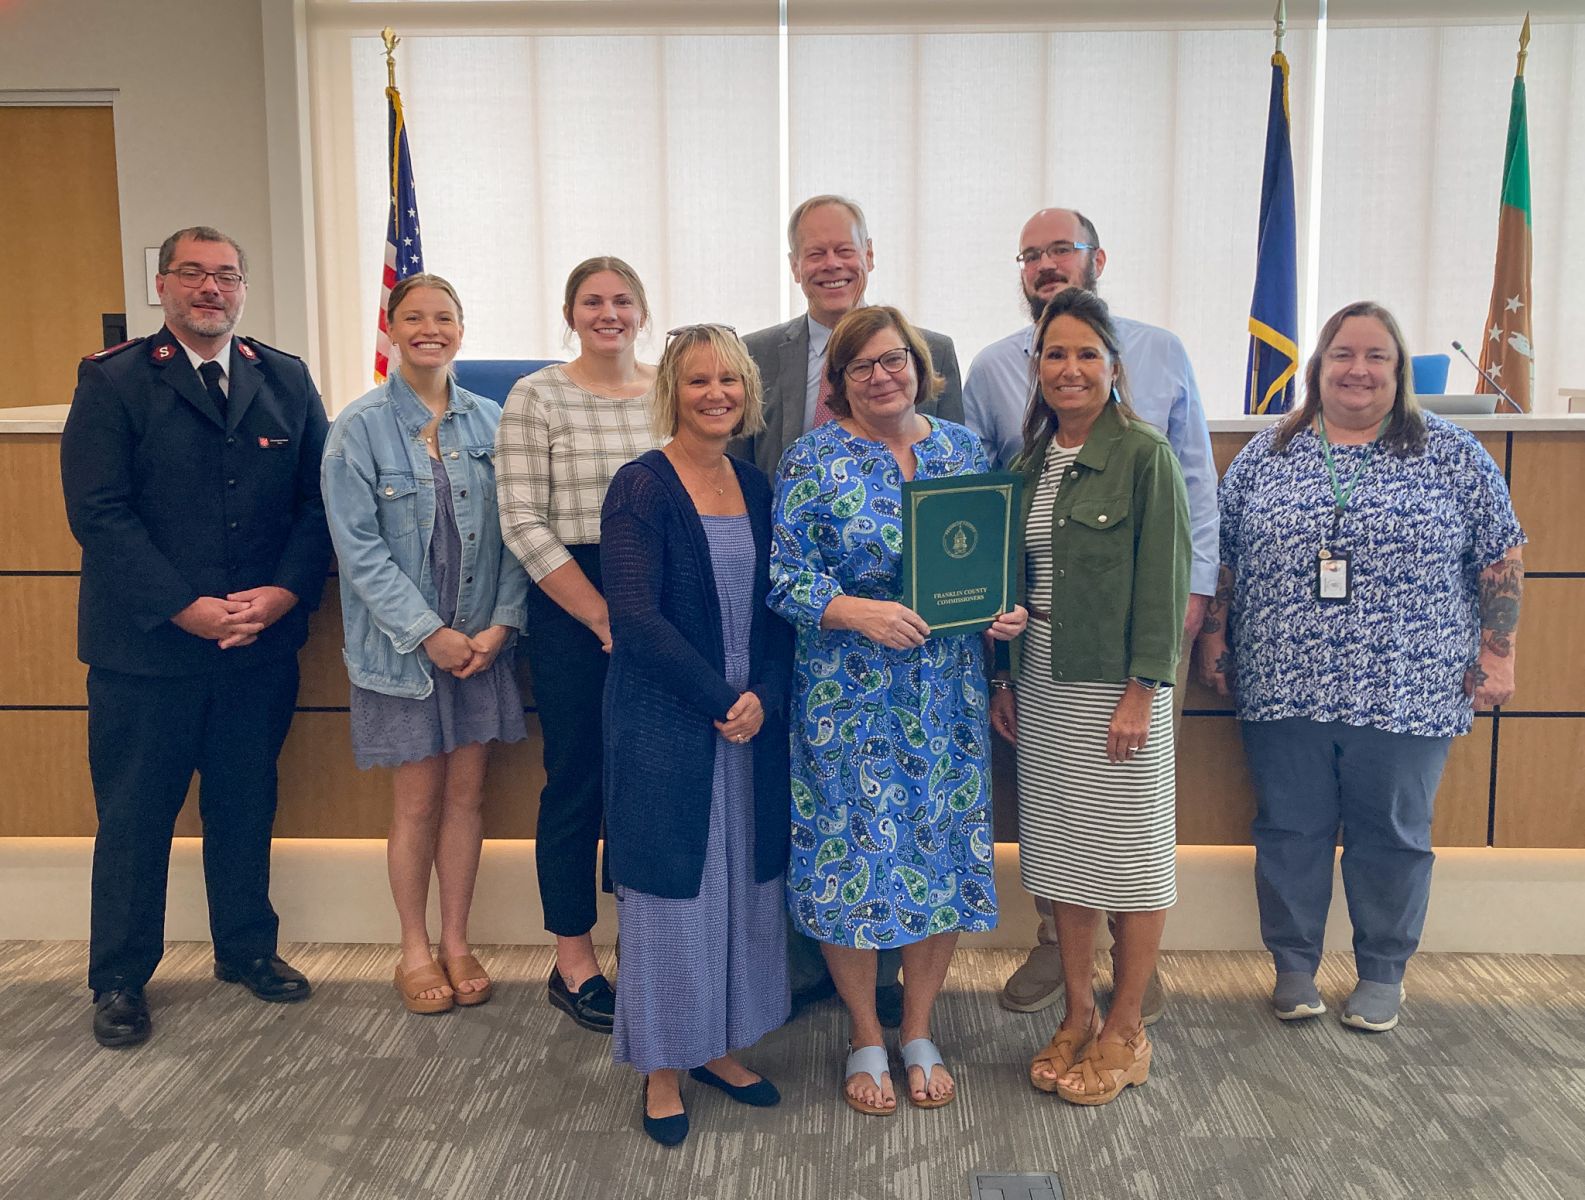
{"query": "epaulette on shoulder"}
(112, 351)
(249, 347)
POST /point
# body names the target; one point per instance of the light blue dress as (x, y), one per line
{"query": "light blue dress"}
(891, 838)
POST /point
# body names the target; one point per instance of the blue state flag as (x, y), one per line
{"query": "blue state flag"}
(1274, 310)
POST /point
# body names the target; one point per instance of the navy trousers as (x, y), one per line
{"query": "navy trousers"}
(1312, 776)
(147, 735)
(568, 669)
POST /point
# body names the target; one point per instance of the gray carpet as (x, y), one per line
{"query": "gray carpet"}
(1480, 1093)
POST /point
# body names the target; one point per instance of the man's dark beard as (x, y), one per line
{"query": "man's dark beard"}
(1087, 280)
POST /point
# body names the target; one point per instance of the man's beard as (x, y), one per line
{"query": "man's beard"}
(1087, 280)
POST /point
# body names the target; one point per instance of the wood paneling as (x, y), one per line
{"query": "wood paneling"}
(1548, 485)
(34, 535)
(324, 675)
(1550, 667)
(59, 207)
(41, 662)
(47, 791)
(1216, 800)
(1540, 762)
(1496, 445)
(1463, 802)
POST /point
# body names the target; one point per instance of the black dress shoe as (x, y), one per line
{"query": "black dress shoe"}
(121, 1017)
(267, 978)
(802, 998)
(889, 1004)
(668, 1131)
(761, 1093)
(594, 1006)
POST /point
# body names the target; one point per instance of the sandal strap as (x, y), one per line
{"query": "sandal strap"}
(422, 979)
(463, 968)
(1063, 1047)
(922, 1053)
(868, 1060)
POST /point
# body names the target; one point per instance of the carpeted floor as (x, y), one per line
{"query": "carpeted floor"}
(1480, 1093)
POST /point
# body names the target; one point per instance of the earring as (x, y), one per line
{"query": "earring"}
(1116, 399)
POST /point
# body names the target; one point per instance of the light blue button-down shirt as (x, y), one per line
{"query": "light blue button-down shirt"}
(1163, 391)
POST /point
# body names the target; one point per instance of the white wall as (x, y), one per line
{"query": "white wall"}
(191, 145)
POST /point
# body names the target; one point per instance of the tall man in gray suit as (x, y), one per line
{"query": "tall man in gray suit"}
(831, 255)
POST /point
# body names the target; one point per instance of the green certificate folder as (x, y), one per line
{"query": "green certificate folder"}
(962, 542)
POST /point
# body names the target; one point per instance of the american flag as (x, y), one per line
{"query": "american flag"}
(404, 255)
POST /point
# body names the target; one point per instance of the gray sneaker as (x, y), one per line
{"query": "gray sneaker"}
(1037, 984)
(1373, 1006)
(1154, 1005)
(1295, 997)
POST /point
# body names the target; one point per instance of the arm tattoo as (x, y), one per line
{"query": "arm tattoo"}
(1217, 606)
(1501, 587)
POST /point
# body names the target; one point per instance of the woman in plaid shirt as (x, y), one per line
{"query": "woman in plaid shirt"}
(564, 432)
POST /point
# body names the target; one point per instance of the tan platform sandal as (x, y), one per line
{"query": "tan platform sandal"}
(1106, 1069)
(1062, 1053)
(466, 969)
(413, 984)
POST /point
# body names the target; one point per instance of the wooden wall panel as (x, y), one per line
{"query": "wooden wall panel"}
(1216, 800)
(1540, 763)
(1548, 485)
(1463, 802)
(1550, 669)
(47, 790)
(34, 535)
(41, 662)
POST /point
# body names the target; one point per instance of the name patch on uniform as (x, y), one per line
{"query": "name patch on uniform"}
(269, 443)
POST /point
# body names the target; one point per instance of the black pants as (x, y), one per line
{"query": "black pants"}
(568, 668)
(146, 737)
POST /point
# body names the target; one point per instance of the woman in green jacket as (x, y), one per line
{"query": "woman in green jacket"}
(1106, 538)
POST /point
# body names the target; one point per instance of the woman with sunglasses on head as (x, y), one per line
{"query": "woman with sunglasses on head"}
(564, 432)
(431, 602)
(890, 771)
(696, 739)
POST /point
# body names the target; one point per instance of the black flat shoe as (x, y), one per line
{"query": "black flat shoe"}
(269, 979)
(761, 1093)
(594, 1005)
(121, 1017)
(668, 1131)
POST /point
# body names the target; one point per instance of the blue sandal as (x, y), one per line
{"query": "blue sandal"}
(871, 1061)
(922, 1053)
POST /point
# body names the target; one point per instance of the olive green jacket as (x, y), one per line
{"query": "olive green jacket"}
(1120, 555)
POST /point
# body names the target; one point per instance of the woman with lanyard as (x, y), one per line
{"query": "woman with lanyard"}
(1368, 602)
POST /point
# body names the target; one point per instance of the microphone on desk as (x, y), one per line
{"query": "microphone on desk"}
(1514, 404)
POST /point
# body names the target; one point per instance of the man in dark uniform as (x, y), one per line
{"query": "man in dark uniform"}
(190, 462)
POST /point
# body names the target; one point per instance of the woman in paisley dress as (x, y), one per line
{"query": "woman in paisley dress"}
(1368, 603)
(891, 838)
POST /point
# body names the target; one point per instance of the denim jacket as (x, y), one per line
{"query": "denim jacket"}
(379, 494)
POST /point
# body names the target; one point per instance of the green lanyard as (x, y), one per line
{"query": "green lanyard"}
(1341, 493)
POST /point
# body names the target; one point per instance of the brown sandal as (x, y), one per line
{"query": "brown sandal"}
(466, 969)
(1107, 1068)
(413, 984)
(1066, 1047)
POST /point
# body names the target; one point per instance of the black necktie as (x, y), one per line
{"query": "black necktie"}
(211, 372)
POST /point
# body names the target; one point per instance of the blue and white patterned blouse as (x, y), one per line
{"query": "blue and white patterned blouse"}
(1419, 530)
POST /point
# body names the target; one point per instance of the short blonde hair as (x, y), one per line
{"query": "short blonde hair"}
(730, 352)
(851, 335)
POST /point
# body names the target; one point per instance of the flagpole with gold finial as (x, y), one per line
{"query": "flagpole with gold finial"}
(388, 36)
(1524, 45)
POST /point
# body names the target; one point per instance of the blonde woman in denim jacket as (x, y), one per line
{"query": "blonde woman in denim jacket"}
(431, 602)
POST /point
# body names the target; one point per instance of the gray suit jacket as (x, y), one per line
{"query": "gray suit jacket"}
(781, 352)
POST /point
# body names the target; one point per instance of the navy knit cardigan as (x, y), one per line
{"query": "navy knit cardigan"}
(666, 685)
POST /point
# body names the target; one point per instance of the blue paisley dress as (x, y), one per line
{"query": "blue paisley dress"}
(891, 838)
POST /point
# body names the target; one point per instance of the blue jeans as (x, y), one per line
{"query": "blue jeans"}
(1312, 776)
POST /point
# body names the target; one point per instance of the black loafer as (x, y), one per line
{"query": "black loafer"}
(761, 1093)
(889, 1004)
(267, 978)
(668, 1131)
(121, 1017)
(594, 1006)
(813, 994)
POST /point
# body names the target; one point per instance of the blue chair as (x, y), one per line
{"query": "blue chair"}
(494, 377)
(1430, 374)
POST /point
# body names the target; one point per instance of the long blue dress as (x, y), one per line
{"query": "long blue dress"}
(891, 838)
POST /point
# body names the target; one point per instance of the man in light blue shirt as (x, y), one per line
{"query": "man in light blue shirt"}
(1058, 249)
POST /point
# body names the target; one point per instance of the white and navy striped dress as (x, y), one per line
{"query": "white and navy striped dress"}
(1090, 831)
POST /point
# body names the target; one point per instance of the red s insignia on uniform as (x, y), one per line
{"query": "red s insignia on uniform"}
(247, 351)
(264, 443)
(161, 353)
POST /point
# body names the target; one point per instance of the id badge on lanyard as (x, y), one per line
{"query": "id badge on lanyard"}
(1334, 570)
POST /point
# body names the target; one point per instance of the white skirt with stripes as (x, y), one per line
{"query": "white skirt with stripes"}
(1090, 831)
